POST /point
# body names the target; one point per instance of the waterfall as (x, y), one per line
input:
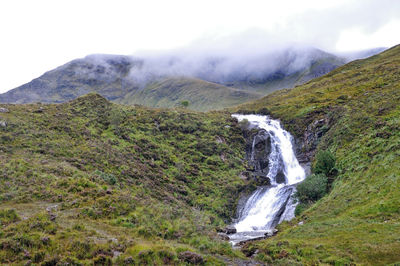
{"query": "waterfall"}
(269, 205)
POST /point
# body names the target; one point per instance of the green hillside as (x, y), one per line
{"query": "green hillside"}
(354, 112)
(200, 95)
(90, 181)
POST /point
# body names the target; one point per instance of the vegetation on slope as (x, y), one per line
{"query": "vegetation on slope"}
(199, 94)
(356, 111)
(89, 182)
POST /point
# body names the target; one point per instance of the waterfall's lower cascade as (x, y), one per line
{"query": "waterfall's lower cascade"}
(272, 157)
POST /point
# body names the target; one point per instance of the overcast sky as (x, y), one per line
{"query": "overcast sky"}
(37, 36)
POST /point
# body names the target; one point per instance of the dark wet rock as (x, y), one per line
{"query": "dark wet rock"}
(230, 230)
(280, 177)
(258, 178)
(191, 257)
(278, 215)
(258, 148)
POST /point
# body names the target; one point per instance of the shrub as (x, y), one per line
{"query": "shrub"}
(108, 178)
(264, 111)
(325, 163)
(313, 188)
(185, 103)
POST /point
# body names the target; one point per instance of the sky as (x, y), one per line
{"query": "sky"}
(37, 36)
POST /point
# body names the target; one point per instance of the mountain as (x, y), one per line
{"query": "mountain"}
(103, 74)
(211, 82)
(353, 113)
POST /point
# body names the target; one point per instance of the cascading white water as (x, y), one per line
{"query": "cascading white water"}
(268, 206)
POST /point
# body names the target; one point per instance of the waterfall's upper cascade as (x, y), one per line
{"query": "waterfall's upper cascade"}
(269, 205)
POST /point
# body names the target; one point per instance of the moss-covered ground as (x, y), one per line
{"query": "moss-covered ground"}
(359, 220)
(90, 181)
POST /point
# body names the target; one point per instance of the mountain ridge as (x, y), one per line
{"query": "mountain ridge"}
(119, 78)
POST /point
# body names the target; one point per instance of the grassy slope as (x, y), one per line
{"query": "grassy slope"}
(359, 220)
(143, 182)
(201, 95)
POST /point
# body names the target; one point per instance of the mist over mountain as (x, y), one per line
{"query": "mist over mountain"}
(350, 56)
(232, 66)
(206, 79)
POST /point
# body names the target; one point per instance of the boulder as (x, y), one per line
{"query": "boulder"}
(4, 110)
(3, 123)
(230, 230)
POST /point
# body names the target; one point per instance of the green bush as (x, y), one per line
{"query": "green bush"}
(312, 188)
(325, 163)
(108, 178)
(185, 103)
